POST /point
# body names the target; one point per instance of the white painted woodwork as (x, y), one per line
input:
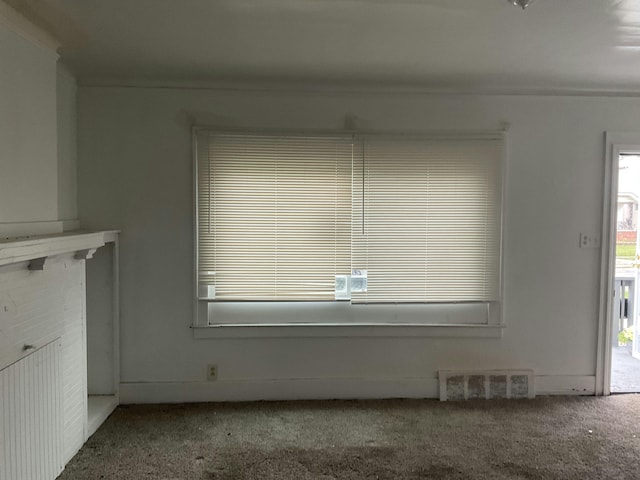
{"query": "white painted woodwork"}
(85, 254)
(34, 304)
(22, 249)
(322, 388)
(616, 143)
(74, 359)
(39, 306)
(26, 28)
(32, 415)
(37, 264)
(99, 409)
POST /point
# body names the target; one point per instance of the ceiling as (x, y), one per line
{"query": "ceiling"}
(477, 45)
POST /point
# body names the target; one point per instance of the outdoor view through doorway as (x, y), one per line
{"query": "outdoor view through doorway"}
(625, 361)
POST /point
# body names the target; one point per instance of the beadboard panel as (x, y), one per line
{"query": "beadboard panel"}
(31, 416)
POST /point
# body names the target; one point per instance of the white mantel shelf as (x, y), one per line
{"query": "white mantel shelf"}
(25, 249)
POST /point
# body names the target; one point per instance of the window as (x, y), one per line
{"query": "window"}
(274, 216)
(426, 219)
(364, 219)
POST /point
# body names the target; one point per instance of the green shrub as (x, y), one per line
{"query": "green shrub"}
(625, 336)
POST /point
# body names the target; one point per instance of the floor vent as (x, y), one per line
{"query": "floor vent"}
(486, 384)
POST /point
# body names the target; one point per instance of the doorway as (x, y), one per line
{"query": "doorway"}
(624, 319)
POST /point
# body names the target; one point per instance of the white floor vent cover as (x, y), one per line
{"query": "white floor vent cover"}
(486, 384)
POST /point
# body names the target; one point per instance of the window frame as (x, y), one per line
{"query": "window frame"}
(376, 321)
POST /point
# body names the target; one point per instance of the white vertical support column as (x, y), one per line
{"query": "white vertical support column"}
(85, 383)
(617, 313)
(116, 316)
(631, 306)
(636, 263)
(103, 327)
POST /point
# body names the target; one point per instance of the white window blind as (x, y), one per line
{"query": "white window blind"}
(274, 215)
(426, 219)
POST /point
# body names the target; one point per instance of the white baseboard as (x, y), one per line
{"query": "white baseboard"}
(320, 389)
(565, 384)
(278, 389)
(99, 409)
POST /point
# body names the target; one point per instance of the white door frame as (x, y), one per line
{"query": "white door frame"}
(616, 143)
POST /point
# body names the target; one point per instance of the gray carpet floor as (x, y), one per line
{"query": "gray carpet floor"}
(546, 438)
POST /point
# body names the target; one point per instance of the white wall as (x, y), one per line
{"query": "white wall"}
(134, 174)
(66, 154)
(28, 130)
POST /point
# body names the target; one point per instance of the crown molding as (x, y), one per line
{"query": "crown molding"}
(353, 88)
(21, 25)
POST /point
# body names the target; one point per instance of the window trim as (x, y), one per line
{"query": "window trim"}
(340, 330)
(202, 328)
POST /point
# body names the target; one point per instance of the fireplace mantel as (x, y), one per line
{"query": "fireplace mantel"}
(36, 249)
(59, 339)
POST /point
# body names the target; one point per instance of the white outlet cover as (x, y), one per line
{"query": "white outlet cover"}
(589, 240)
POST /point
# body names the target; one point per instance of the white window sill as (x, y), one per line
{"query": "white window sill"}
(312, 330)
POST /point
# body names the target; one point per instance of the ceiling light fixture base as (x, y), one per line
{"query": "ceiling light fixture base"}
(520, 3)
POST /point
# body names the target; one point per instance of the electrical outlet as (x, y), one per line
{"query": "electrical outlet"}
(589, 241)
(212, 372)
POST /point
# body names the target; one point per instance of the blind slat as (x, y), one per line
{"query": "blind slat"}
(274, 215)
(280, 216)
(426, 219)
